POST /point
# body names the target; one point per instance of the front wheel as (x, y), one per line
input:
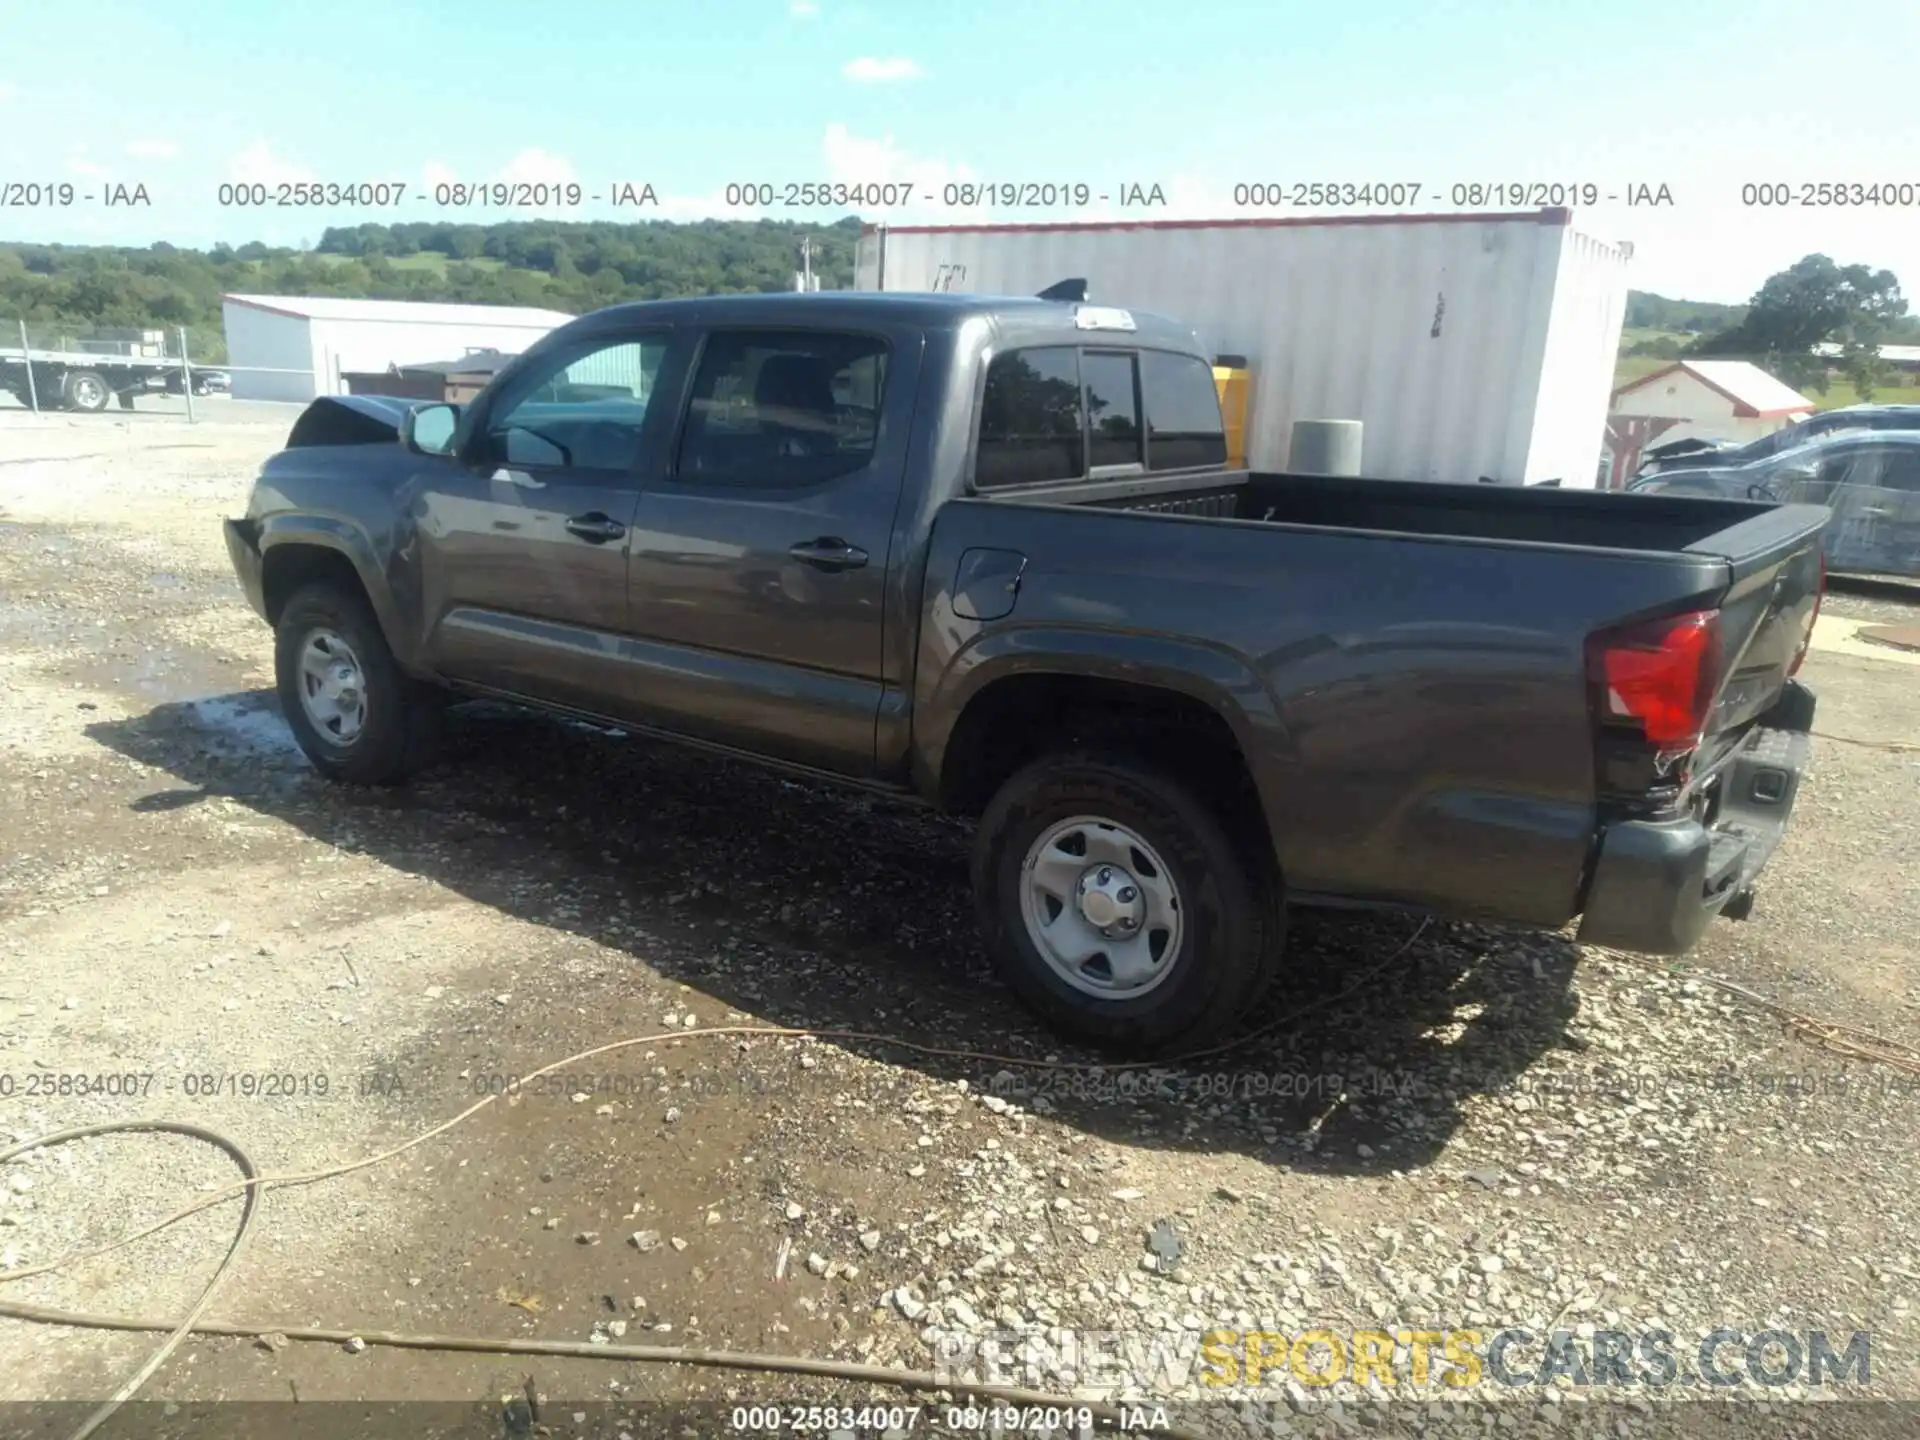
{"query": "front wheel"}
(358, 716)
(1119, 908)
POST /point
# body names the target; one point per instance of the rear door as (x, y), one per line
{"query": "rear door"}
(1874, 492)
(524, 539)
(757, 580)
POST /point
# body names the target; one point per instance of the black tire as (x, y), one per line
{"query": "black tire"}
(1233, 920)
(86, 391)
(400, 733)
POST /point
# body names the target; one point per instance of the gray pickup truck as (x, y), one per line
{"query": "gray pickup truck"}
(987, 553)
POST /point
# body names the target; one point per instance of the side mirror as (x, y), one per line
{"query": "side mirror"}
(428, 429)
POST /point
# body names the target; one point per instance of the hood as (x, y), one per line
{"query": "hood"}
(350, 420)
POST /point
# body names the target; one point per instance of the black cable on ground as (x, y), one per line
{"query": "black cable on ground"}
(917, 1380)
(249, 1209)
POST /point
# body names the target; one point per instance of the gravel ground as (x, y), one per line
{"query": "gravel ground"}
(1441, 1127)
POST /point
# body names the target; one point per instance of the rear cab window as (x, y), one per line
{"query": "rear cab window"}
(783, 409)
(1066, 412)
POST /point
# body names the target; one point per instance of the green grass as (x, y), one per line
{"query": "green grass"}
(430, 260)
(1628, 368)
(1839, 395)
(1640, 335)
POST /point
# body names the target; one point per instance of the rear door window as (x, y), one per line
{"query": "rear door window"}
(1900, 470)
(1852, 467)
(783, 408)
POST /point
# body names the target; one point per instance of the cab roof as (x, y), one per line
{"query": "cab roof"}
(1024, 314)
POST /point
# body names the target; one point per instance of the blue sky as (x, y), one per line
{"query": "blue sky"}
(1701, 97)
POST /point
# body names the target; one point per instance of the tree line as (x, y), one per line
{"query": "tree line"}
(82, 289)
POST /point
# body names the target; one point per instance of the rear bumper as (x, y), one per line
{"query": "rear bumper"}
(246, 562)
(1656, 884)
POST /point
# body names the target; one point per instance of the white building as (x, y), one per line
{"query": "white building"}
(1467, 345)
(294, 347)
(1900, 357)
(1713, 399)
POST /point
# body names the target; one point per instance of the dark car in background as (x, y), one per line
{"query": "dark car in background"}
(1869, 479)
(1695, 451)
(205, 382)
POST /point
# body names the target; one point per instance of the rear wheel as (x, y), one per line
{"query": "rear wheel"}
(85, 390)
(357, 715)
(1118, 907)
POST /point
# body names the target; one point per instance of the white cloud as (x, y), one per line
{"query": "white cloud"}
(152, 149)
(81, 164)
(804, 10)
(872, 70)
(535, 166)
(435, 173)
(711, 206)
(859, 160)
(257, 164)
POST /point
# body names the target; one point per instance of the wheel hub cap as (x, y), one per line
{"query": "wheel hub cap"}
(1110, 901)
(1101, 907)
(332, 689)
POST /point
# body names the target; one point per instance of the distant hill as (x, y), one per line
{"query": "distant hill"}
(1647, 311)
(550, 264)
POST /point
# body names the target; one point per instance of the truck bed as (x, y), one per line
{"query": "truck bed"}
(1409, 657)
(1533, 515)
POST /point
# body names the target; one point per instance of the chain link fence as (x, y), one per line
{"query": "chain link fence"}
(51, 367)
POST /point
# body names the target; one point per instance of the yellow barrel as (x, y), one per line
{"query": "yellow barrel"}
(1233, 381)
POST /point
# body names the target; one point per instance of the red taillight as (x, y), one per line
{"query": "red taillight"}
(1662, 673)
(1806, 640)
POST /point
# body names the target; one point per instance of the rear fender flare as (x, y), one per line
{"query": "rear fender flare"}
(1215, 677)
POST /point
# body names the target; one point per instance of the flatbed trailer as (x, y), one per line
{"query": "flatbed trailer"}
(87, 381)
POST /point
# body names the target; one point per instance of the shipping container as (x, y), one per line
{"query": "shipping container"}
(1470, 346)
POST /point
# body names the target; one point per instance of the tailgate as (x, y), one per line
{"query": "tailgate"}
(1767, 614)
(1703, 739)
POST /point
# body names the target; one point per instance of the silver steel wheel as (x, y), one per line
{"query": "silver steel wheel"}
(333, 690)
(89, 393)
(1101, 907)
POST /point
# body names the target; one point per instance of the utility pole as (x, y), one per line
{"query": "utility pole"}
(806, 264)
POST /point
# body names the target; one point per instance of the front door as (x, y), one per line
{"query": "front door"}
(758, 578)
(524, 540)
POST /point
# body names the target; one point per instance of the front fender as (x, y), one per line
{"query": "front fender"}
(374, 564)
